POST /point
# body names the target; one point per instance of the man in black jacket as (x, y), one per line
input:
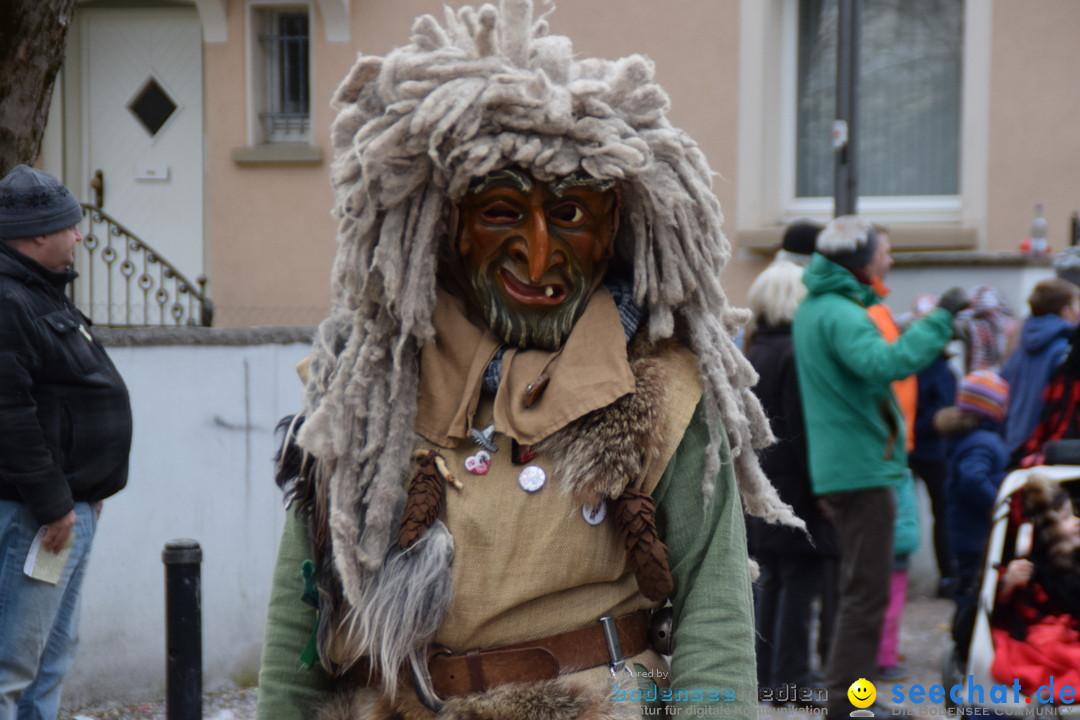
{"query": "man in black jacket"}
(65, 433)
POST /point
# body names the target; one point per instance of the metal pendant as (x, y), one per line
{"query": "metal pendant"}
(483, 438)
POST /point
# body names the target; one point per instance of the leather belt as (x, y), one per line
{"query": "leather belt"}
(541, 659)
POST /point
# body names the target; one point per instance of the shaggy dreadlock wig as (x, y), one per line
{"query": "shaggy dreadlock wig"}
(490, 89)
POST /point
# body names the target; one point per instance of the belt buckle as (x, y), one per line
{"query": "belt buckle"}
(614, 648)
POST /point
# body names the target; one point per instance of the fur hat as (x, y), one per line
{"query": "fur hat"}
(35, 203)
(848, 241)
(984, 393)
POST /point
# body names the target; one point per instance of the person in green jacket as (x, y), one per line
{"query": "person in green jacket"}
(855, 430)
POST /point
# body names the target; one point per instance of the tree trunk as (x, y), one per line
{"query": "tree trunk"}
(33, 34)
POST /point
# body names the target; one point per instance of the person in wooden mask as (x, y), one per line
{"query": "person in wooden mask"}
(527, 428)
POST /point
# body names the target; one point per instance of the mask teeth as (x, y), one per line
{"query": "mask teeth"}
(549, 291)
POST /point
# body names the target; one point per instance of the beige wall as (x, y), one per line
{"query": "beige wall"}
(1034, 119)
(271, 236)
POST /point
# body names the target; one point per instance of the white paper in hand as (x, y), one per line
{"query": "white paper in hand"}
(45, 565)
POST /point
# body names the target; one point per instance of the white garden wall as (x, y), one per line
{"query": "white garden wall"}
(205, 404)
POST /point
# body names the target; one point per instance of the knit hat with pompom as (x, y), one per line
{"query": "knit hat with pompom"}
(984, 393)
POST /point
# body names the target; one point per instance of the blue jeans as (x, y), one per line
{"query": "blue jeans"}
(39, 622)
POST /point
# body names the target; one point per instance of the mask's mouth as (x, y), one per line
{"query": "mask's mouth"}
(527, 293)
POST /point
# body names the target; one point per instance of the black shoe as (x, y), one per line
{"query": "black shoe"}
(948, 588)
(893, 673)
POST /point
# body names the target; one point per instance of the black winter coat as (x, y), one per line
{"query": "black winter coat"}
(65, 416)
(772, 353)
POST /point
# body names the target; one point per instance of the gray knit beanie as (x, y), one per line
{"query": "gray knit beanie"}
(848, 241)
(35, 203)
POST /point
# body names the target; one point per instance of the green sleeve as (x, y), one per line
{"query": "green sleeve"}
(712, 600)
(288, 690)
(857, 344)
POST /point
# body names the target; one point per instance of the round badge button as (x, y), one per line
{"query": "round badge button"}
(532, 478)
(594, 515)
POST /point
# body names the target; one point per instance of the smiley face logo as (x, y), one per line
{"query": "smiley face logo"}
(862, 693)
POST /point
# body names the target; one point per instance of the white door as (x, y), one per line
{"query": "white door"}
(143, 127)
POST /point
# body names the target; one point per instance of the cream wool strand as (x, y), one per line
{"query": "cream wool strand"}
(489, 89)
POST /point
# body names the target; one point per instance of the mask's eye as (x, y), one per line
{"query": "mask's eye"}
(500, 213)
(568, 214)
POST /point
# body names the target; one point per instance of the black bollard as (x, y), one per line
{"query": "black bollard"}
(183, 630)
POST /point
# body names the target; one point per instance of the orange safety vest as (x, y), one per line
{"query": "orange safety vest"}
(906, 390)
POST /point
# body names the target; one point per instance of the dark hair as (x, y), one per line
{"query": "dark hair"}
(1050, 297)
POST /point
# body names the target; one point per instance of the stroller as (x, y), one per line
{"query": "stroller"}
(971, 653)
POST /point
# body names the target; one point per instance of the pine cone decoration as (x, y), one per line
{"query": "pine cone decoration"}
(425, 498)
(635, 516)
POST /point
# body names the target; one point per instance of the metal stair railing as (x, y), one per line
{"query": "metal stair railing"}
(126, 283)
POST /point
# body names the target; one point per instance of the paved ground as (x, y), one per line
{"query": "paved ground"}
(924, 636)
(232, 705)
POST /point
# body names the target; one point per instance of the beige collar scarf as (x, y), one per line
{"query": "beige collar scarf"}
(589, 372)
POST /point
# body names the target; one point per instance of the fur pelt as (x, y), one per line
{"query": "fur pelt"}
(1055, 553)
(600, 454)
(399, 613)
(952, 420)
(1047, 504)
(546, 700)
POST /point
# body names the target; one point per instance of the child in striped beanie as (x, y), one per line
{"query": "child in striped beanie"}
(977, 459)
(985, 394)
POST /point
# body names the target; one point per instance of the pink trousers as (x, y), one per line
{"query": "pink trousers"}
(889, 649)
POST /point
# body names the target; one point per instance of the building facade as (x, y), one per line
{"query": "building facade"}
(206, 123)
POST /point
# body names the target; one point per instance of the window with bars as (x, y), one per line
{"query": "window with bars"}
(284, 44)
(911, 63)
